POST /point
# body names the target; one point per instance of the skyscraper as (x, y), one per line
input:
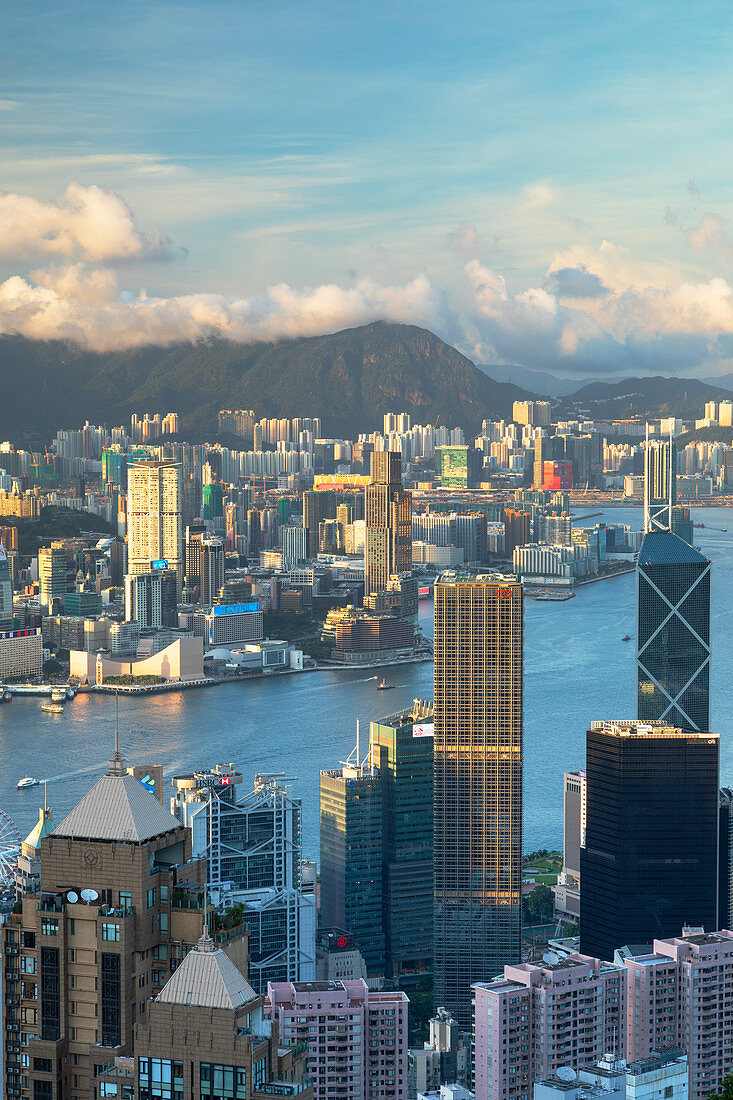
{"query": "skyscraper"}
(477, 783)
(673, 644)
(150, 598)
(660, 483)
(154, 519)
(6, 592)
(351, 858)
(254, 849)
(402, 749)
(650, 860)
(388, 514)
(673, 605)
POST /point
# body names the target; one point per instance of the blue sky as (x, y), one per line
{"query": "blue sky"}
(372, 144)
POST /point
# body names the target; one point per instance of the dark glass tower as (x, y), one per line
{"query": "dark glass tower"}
(351, 858)
(650, 860)
(673, 649)
(402, 748)
(478, 784)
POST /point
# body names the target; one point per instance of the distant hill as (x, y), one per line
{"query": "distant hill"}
(655, 396)
(538, 381)
(349, 379)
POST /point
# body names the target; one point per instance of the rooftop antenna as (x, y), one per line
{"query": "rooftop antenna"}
(45, 798)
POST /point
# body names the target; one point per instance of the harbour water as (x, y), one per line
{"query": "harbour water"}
(577, 668)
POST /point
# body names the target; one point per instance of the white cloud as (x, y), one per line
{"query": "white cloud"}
(84, 222)
(85, 306)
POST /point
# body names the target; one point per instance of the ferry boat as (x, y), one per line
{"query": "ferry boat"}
(58, 695)
(384, 686)
(626, 638)
(52, 708)
(28, 781)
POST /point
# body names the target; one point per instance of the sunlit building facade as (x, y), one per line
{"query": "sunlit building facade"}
(477, 783)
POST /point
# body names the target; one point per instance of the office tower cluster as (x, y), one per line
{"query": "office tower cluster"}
(376, 846)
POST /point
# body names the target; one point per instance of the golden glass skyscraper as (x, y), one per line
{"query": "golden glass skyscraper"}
(477, 783)
(154, 516)
(388, 515)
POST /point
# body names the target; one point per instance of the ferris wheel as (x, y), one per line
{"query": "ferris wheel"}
(9, 849)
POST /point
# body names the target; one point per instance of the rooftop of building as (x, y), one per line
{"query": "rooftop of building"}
(207, 978)
(664, 548)
(632, 727)
(656, 1061)
(43, 827)
(419, 710)
(117, 808)
(453, 577)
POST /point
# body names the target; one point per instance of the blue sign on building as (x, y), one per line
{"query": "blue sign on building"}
(159, 564)
(234, 608)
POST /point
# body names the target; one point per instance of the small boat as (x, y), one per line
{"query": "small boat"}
(384, 686)
(28, 781)
(52, 708)
(626, 638)
(6, 696)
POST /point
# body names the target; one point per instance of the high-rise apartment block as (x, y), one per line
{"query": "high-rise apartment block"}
(357, 1040)
(52, 574)
(532, 412)
(402, 749)
(478, 783)
(388, 515)
(154, 516)
(660, 483)
(681, 994)
(253, 848)
(649, 864)
(352, 841)
(537, 1018)
(673, 647)
(150, 598)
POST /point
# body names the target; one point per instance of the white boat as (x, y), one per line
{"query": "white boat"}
(28, 781)
(58, 695)
(52, 708)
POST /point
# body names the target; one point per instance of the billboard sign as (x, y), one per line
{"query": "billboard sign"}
(234, 608)
(423, 729)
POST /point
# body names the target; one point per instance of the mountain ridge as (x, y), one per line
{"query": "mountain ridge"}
(349, 379)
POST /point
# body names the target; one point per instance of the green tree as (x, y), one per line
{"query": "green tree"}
(725, 1089)
(537, 907)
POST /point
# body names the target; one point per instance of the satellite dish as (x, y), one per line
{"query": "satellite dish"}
(72, 896)
(550, 957)
(89, 895)
(565, 1073)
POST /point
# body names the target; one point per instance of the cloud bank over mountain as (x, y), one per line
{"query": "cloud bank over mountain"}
(596, 309)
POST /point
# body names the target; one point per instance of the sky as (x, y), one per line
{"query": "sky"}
(546, 184)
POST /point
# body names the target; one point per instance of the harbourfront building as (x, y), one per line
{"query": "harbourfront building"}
(154, 516)
(253, 848)
(388, 515)
(477, 828)
(356, 1039)
(21, 653)
(649, 863)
